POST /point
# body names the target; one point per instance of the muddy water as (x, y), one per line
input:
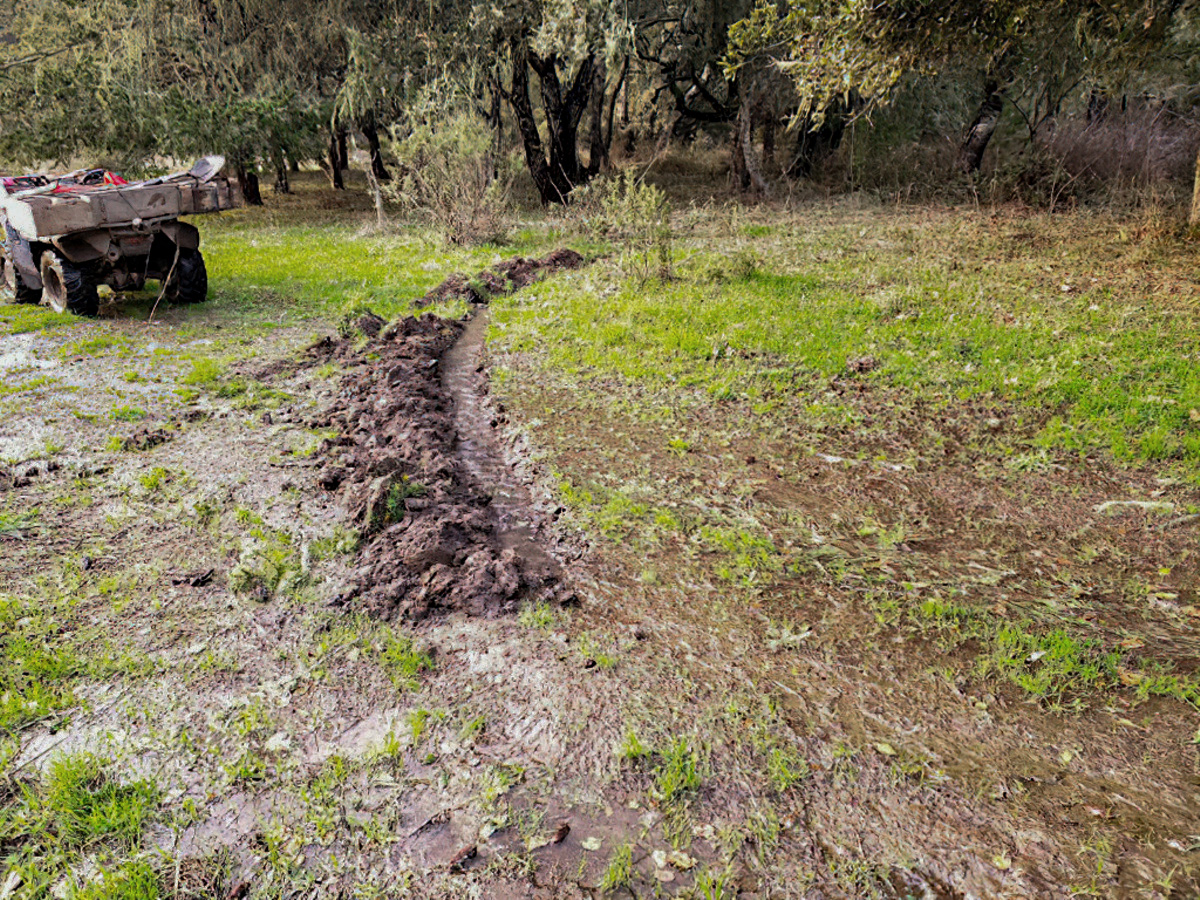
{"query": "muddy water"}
(478, 447)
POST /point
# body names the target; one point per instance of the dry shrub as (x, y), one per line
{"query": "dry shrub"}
(1147, 143)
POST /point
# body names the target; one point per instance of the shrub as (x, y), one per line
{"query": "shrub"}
(448, 170)
(636, 215)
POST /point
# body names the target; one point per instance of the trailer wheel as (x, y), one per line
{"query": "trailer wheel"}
(189, 284)
(67, 288)
(11, 285)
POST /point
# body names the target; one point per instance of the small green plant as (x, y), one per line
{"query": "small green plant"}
(127, 414)
(632, 748)
(619, 873)
(418, 724)
(678, 774)
(785, 769)
(155, 478)
(18, 524)
(204, 371)
(403, 662)
(537, 615)
(714, 885)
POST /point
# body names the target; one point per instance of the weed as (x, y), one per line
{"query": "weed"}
(635, 214)
(418, 723)
(677, 775)
(18, 524)
(127, 414)
(632, 748)
(79, 806)
(711, 885)
(619, 872)
(154, 479)
(341, 542)
(204, 372)
(537, 615)
(785, 769)
(403, 662)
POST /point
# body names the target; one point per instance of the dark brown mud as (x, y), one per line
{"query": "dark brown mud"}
(420, 470)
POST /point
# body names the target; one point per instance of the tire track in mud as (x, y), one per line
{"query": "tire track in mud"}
(420, 472)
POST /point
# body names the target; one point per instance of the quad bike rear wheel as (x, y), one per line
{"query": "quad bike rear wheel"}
(66, 287)
(189, 282)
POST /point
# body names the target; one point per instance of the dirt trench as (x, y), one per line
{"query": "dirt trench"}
(419, 468)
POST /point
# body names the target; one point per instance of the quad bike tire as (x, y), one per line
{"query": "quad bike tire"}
(12, 286)
(66, 287)
(189, 282)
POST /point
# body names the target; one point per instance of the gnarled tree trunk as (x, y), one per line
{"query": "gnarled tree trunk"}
(334, 160)
(371, 132)
(980, 131)
(556, 173)
(746, 166)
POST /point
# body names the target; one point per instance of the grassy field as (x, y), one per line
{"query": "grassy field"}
(884, 527)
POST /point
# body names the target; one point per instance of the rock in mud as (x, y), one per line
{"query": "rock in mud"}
(431, 538)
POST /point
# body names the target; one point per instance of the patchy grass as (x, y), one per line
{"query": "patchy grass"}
(1040, 331)
(403, 662)
(80, 808)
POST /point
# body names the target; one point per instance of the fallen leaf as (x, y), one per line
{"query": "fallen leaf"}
(681, 860)
(1129, 679)
(1131, 643)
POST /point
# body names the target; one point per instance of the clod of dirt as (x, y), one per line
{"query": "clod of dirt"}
(433, 541)
(862, 364)
(146, 438)
(503, 278)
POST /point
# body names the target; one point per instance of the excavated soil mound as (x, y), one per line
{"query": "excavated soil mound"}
(432, 538)
(503, 278)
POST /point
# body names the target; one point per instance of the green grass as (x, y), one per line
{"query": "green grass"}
(79, 808)
(46, 649)
(204, 371)
(619, 872)
(22, 318)
(127, 414)
(403, 662)
(18, 524)
(677, 774)
(323, 269)
(1113, 370)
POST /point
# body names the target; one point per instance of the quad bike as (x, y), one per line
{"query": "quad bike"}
(63, 235)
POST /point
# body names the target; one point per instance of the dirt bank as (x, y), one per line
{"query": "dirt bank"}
(418, 468)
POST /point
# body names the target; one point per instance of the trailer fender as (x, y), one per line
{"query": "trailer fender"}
(22, 258)
(183, 235)
(84, 246)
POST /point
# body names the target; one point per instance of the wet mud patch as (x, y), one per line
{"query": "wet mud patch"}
(419, 469)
